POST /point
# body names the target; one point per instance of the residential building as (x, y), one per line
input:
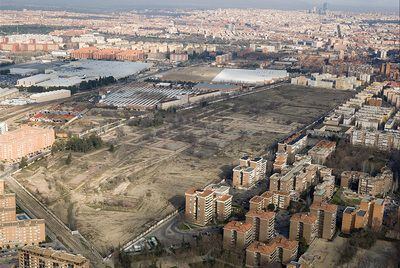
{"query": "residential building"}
(292, 146)
(303, 225)
(37, 257)
(326, 217)
(238, 235)
(378, 185)
(279, 251)
(322, 151)
(14, 232)
(205, 206)
(263, 224)
(280, 199)
(25, 141)
(325, 190)
(368, 214)
(249, 171)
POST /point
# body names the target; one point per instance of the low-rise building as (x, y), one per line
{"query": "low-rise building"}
(279, 251)
(322, 151)
(37, 257)
(280, 199)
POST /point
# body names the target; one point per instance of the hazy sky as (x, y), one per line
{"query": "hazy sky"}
(354, 5)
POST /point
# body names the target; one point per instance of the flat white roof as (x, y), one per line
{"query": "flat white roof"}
(243, 76)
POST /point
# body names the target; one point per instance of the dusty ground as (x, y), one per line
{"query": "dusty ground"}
(326, 254)
(112, 197)
(192, 74)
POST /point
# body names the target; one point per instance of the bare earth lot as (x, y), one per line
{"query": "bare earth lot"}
(111, 197)
(192, 74)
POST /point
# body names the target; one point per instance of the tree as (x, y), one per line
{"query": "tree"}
(23, 163)
(112, 148)
(271, 207)
(69, 159)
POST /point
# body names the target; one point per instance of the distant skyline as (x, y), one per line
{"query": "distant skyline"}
(117, 5)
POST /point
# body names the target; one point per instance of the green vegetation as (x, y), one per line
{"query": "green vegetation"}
(338, 199)
(83, 86)
(271, 207)
(69, 159)
(23, 163)
(5, 72)
(75, 144)
(348, 157)
(111, 149)
(364, 238)
(30, 29)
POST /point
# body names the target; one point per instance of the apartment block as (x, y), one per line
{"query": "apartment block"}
(325, 190)
(279, 251)
(263, 224)
(299, 176)
(248, 172)
(25, 141)
(368, 214)
(292, 146)
(37, 257)
(378, 185)
(13, 232)
(238, 235)
(303, 225)
(280, 199)
(382, 140)
(322, 151)
(326, 218)
(204, 206)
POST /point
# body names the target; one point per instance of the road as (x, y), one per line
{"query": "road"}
(55, 228)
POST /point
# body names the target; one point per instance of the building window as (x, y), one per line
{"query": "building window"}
(56, 265)
(42, 264)
(70, 266)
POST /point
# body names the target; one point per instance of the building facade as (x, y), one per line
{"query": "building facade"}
(37, 257)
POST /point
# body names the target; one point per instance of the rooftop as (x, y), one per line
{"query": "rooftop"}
(238, 226)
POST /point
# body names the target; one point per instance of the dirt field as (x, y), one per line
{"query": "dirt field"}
(110, 197)
(192, 74)
(326, 254)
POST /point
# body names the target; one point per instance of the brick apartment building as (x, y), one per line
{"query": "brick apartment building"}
(280, 199)
(204, 206)
(299, 177)
(37, 257)
(248, 172)
(279, 250)
(381, 184)
(369, 214)
(25, 141)
(326, 218)
(13, 232)
(322, 151)
(263, 224)
(303, 225)
(238, 235)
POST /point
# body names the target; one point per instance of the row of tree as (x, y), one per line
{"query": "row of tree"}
(81, 145)
(83, 86)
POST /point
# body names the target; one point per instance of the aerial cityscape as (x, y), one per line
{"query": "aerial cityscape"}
(199, 134)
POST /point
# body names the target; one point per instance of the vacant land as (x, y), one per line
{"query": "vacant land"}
(329, 254)
(111, 197)
(192, 74)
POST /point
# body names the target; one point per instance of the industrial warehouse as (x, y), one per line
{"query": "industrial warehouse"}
(75, 72)
(144, 96)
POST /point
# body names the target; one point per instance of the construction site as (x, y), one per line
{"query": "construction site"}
(113, 195)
